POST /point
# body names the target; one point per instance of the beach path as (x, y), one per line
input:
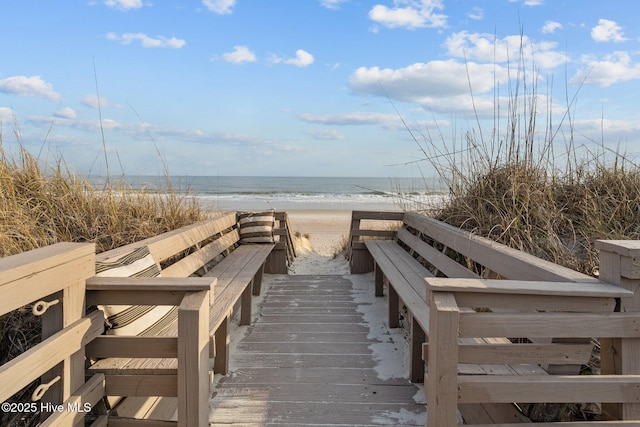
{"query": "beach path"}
(315, 356)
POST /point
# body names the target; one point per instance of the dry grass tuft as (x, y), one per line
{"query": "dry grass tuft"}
(42, 205)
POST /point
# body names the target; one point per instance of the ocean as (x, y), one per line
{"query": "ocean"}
(247, 193)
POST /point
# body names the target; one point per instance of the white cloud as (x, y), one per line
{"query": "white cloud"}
(410, 14)
(325, 134)
(614, 68)
(124, 4)
(386, 121)
(65, 113)
(141, 131)
(239, 55)
(29, 86)
(486, 48)
(221, 7)
(476, 13)
(146, 41)
(332, 4)
(437, 86)
(302, 59)
(92, 101)
(529, 2)
(357, 118)
(607, 31)
(550, 27)
(421, 80)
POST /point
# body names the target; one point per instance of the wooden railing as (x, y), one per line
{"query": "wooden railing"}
(54, 281)
(361, 228)
(284, 253)
(189, 342)
(460, 336)
(558, 309)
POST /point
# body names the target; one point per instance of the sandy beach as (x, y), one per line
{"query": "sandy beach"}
(326, 229)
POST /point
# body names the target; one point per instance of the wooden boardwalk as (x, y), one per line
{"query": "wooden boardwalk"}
(309, 360)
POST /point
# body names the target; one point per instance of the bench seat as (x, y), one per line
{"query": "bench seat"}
(405, 278)
(236, 277)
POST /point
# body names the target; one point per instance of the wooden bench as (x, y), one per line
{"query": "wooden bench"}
(210, 250)
(423, 248)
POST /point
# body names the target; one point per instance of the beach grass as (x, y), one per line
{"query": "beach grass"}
(43, 204)
(528, 182)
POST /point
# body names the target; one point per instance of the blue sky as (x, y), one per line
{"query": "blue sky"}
(302, 87)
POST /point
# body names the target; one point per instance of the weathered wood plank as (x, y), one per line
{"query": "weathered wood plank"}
(308, 361)
(442, 262)
(559, 325)
(144, 290)
(168, 244)
(190, 264)
(141, 385)
(566, 424)
(521, 353)
(307, 337)
(315, 413)
(33, 275)
(312, 318)
(309, 327)
(383, 216)
(193, 360)
(527, 287)
(301, 347)
(124, 346)
(535, 302)
(82, 400)
(39, 359)
(394, 267)
(326, 393)
(549, 389)
(509, 263)
(131, 422)
(243, 376)
(442, 387)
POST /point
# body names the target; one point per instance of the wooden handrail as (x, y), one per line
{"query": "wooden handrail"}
(451, 323)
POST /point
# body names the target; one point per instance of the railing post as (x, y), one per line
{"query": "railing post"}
(620, 265)
(360, 261)
(71, 307)
(193, 360)
(442, 376)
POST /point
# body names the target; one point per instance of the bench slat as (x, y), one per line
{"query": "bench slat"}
(442, 262)
(200, 258)
(381, 251)
(508, 262)
(169, 244)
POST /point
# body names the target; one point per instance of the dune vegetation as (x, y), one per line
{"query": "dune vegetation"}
(532, 183)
